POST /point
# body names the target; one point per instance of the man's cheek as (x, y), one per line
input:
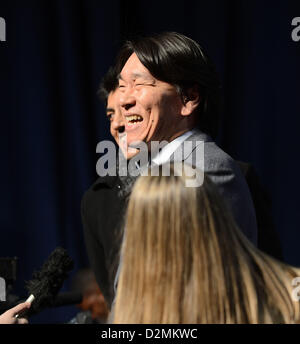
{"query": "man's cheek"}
(114, 134)
(147, 99)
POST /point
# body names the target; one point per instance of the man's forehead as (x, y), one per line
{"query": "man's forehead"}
(134, 69)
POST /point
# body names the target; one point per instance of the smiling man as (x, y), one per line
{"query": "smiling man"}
(153, 109)
(167, 90)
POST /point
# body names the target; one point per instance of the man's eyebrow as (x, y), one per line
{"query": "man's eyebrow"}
(110, 110)
(140, 75)
(136, 76)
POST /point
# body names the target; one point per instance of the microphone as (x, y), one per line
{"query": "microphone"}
(46, 282)
(62, 299)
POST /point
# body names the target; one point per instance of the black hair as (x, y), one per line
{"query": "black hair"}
(109, 83)
(180, 61)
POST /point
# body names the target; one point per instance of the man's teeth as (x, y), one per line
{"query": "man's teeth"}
(131, 120)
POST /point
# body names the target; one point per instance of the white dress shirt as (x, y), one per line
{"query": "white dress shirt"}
(164, 155)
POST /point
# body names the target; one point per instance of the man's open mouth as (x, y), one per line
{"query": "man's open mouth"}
(133, 119)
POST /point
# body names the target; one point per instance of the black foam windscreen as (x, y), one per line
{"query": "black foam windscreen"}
(47, 282)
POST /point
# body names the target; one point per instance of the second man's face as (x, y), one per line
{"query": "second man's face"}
(117, 124)
(113, 112)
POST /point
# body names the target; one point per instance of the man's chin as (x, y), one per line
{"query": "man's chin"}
(130, 147)
(129, 152)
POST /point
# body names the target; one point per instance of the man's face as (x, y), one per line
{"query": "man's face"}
(117, 124)
(113, 112)
(150, 108)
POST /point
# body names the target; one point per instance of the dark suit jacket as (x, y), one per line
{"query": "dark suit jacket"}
(267, 237)
(103, 210)
(228, 177)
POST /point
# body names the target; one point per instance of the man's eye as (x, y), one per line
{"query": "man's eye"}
(110, 116)
(144, 84)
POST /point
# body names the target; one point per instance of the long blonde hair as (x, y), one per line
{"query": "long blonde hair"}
(185, 261)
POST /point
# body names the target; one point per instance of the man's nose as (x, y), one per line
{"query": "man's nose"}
(118, 122)
(127, 99)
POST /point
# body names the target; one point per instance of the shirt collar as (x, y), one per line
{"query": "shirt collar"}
(165, 153)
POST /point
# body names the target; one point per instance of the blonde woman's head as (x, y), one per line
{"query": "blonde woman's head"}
(185, 261)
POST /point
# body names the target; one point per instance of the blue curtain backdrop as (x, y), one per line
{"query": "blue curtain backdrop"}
(50, 66)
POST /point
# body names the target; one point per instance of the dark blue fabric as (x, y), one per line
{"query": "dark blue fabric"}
(50, 66)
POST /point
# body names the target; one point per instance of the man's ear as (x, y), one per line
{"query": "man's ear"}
(191, 101)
